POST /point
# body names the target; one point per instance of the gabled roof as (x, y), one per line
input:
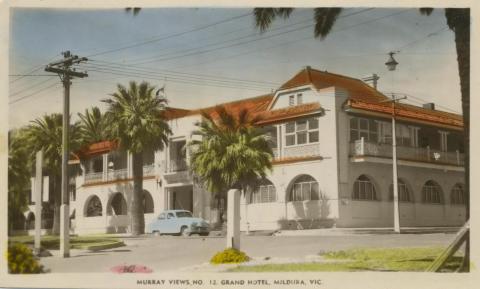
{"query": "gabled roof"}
(323, 79)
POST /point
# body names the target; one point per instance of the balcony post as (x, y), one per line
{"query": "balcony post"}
(428, 153)
(105, 167)
(362, 146)
(458, 157)
(129, 165)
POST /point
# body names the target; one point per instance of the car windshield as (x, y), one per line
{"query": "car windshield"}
(184, 215)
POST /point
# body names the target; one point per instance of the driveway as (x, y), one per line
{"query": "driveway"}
(170, 253)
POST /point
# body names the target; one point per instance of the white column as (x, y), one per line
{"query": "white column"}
(65, 230)
(38, 200)
(233, 219)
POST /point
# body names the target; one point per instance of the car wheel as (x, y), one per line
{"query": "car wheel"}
(204, 234)
(156, 233)
(184, 231)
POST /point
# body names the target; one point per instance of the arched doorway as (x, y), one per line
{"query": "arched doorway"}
(118, 205)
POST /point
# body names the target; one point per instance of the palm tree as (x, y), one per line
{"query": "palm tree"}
(18, 177)
(136, 120)
(458, 20)
(233, 153)
(46, 134)
(92, 126)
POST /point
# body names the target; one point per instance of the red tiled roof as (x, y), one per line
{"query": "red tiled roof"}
(98, 148)
(172, 112)
(254, 105)
(322, 79)
(272, 116)
(410, 112)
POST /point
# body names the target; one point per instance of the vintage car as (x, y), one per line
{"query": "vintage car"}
(178, 222)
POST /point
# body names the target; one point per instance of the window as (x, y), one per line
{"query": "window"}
(170, 216)
(183, 214)
(271, 135)
(364, 189)
(302, 132)
(363, 127)
(304, 188)
(432, 193)
(299, 98)
(403, 192)
(291, 100)
(94, 207)
(118, 205)
(265, 192)
(457, 196)
(161, 216)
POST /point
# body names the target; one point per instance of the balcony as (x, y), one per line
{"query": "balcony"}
(176, 171)
(119, 174)
(361, 148)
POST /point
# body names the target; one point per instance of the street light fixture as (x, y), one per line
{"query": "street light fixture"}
(391, 63)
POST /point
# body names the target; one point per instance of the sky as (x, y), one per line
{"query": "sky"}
(207, 56)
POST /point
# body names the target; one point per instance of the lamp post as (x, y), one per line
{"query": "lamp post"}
(391, 66)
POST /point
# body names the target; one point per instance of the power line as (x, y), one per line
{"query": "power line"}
(36, 68)
(245, 42)
(301, 39)
(32, 94)
(170, 36)
(30, 87)
(445, 28)
(138, 60)
(145, 76)
(14, 75)
(185, 74)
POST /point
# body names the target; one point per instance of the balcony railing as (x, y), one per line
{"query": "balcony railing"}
(175, 166)
(111, 175)
(364, 148)
(93, 177)
(117, 174)
(149, 170)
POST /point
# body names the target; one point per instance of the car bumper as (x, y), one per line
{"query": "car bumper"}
(199, 230)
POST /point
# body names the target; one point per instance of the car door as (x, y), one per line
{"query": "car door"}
(170, 223)
(158, 224)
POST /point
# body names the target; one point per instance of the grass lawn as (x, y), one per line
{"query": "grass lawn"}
(391, 259)
(82, 242)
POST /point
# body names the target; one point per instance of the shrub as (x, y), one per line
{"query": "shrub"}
(229, 255)
(22, 261)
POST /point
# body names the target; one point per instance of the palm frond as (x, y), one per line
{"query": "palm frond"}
(325, 18)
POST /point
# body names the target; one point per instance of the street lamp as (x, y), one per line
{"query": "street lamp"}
(391, 65)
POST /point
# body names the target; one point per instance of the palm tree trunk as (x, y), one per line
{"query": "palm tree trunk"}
(57, 191)
(462, 43)
(136, 208)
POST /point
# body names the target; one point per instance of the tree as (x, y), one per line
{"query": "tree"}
(233, 153)
(18, 178)
(458, 20)
(136, 120)
(46, 134)
(92, 126)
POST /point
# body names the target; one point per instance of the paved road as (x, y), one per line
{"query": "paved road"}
(169, 253)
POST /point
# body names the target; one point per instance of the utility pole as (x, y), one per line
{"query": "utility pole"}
(66, 73)
(396, 205)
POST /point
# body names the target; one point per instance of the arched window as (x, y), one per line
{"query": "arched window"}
(94, 207)
(457, 195)
(147, 202)
(118, 205)
(432, 193)
(264, 192)
(404, 194)
(364, 189)
(304, 188)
